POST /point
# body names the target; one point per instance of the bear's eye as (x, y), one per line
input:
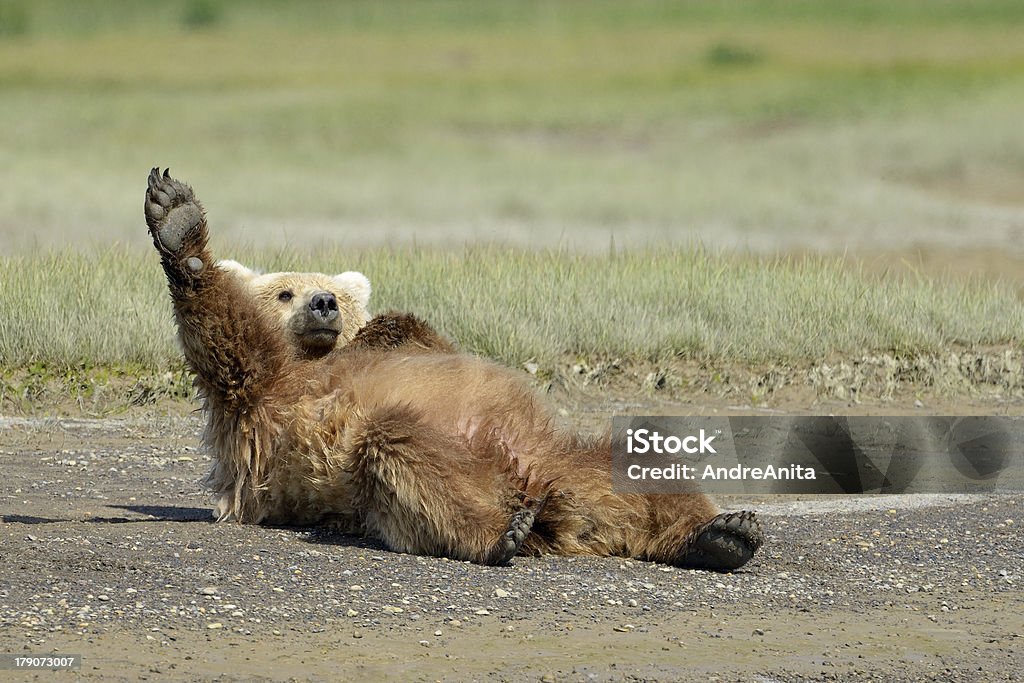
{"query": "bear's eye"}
(286, 295)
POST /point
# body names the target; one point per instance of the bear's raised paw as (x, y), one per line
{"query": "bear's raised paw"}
(725, 543)
(172, 213)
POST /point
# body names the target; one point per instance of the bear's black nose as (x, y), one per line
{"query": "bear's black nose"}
(324, 306)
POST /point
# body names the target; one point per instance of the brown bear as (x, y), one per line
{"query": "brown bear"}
(441, 454)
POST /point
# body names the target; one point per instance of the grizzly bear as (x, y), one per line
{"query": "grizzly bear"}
(443, 454)
(319, 312)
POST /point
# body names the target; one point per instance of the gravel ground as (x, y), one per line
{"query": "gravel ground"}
(108, 551)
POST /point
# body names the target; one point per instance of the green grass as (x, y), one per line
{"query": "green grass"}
(416, 139)
(110, 308)
(90, 16)
(768, 125)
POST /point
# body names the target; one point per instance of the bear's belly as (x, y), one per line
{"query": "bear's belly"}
(471, 399)
(309, 480)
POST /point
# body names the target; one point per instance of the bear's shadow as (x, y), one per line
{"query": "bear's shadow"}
(168, 513)
(327, 536)
(154, 513)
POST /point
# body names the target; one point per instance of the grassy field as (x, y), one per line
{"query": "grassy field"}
(769, 125)
(617, 148)
(544, 306)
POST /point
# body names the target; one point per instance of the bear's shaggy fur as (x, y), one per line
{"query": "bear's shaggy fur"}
(393, 330)
(433, 453)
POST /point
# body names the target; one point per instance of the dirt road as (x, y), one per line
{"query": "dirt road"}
(109, 552)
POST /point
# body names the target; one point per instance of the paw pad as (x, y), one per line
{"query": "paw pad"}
(518, 529)
(725, 543)
(171, 211)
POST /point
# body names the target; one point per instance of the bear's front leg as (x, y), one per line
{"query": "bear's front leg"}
(230, 347)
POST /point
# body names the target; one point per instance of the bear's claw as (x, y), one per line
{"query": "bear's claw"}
(510, 542)
(725, 543)
(172, 213)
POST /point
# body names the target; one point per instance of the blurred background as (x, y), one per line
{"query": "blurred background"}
(769, 126)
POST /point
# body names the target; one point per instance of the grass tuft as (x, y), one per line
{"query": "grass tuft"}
(728, 54)
(14, 19)
(201, 14)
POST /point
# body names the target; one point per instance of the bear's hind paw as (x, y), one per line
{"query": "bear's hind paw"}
(510, 542)
(172, 213)
(725, 543)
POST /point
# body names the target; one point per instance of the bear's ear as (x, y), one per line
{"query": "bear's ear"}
(356, 285)
(246, 274)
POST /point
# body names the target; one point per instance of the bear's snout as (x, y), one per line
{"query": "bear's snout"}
(324, 306)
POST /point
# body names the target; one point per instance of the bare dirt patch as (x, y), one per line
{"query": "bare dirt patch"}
(109, 552)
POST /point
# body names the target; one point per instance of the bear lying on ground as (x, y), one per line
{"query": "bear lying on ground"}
(440, 454)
